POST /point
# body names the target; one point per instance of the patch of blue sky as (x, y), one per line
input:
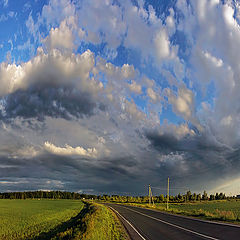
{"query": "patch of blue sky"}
(23, 53)
(8, 29)
(161, 7)
(140, 101)
(209, 95)
(184, 46)
(118, 57)
(168, 114)
(152, 72)
(14, 33)
(127, 56)
(36, 6)
(97, 49)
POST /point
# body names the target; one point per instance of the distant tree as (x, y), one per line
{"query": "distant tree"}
(222, 196)
(161, 198)
(179, 197)
(204, 196)
(171, 198)
(194, 197)
(188, 195)
(212, 197)
(199, 197)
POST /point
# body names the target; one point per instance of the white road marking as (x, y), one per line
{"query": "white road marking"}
(194, 219)
(128, 223)
(185, 229)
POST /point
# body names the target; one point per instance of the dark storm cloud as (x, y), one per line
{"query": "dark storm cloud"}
(204, 158)
(202, 155)
(39, 101)
(45, 171)
(164, 142)
(168, 142)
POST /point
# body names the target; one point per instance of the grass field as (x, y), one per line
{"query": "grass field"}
(58, 220)
(212, 210)
(229, 209)
(21, 219)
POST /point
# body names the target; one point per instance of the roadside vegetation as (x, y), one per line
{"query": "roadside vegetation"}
(43, 219)
(98, 222)
(227, 210)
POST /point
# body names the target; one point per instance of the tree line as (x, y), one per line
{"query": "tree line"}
(45, 194)
(188, 197)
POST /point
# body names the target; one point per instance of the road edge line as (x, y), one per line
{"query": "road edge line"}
(173, 225)
(187, 217)
(128, 223)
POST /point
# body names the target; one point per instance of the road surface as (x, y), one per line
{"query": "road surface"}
(145, 224)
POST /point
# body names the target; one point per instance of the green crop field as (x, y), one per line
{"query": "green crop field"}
(212, 210)
(24, 219)
(216, 207)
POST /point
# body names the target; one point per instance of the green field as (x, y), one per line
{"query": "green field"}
(21, 219)
(228, 208)
(58, 220)
(212, 210)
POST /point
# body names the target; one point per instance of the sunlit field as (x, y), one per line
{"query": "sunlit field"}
(231, 208)
(21, 219)
(213, 210)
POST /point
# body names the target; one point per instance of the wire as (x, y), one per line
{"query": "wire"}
(170, 188)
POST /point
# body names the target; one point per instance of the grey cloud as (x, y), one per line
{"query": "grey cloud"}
(198, 142)
(126, 174)
(39, 101)
(164, 142)
(73, 173)
(200, 157)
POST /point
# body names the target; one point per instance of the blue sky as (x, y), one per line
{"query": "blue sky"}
(117, 91)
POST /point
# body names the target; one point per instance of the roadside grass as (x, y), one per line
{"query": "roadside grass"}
(96, 223)
(103, 224)
(25, 219)
(215, 210)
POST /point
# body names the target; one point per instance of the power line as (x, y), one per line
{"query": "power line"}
(171, 188)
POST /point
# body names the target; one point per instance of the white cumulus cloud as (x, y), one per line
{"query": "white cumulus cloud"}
(69, 150)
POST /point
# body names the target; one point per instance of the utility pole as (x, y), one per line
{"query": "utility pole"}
(152, 198)
(149, 194)
(168, 193)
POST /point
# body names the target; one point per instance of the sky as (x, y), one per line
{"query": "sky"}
(110, 96)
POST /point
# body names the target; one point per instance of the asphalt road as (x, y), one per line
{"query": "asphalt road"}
(145, 224)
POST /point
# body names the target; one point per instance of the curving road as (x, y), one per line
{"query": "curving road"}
(145, 224)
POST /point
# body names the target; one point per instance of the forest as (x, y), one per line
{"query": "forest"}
(188, 197)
